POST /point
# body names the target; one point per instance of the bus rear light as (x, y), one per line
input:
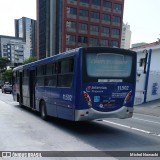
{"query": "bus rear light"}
(87, 98)
(82, 115)
(85, 94)
(127, 98)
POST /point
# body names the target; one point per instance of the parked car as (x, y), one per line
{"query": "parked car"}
(7, 88)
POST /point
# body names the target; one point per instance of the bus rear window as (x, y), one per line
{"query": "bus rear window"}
(109, 65)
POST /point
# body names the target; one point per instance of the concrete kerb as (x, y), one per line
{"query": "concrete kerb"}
(149, 108)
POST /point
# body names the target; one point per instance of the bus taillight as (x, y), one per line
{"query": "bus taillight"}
(87, 98)
(127, 98)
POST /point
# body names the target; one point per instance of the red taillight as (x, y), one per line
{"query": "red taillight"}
(129, 95)
(85, 95)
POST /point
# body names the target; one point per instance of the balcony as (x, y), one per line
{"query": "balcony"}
(72, 16)
(83, 18)
(104, 34)
(117, 11)
(94, 33)
(95, 7)
(94, 20)
(115, 36)
(106, 9)
(73, 30)
(115, 24)
(84, 4)
(106, 22)
(83, 31)
(72, 2)
(70, 43)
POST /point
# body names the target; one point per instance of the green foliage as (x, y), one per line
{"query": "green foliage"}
(29, 60)
(3, 64)
(7, 76)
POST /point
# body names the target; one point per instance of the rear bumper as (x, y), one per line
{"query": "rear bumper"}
(91, 114)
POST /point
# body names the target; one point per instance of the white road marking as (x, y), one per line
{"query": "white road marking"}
(137, 129)
(145, 120)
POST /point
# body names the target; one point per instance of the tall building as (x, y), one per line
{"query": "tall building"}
(66, 24)
(126, 36)
(26, 28)
(13, 49)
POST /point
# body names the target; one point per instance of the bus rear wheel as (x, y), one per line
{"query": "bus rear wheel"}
(43, 110)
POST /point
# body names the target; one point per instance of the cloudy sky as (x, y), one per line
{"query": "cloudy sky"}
(141, 15)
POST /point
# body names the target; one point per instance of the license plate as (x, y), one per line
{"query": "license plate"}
(108, 104)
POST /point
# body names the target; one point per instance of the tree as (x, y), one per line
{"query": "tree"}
(30, 59)
(7, 76)
(3, 64)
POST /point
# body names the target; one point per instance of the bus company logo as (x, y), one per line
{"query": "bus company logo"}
(88, 89)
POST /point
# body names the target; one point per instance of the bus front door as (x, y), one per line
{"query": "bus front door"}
(32, 88)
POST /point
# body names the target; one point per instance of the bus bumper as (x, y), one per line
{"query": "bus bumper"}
(91, 114)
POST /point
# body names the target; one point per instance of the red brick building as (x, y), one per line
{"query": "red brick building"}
(67, 24)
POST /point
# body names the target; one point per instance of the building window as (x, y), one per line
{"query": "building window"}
(93, 42)
(116, 19)
(83, 26)
(84, 1)
(105, 30)
(107, 4)
(104, 42)
(96, 2)
(94, 28)
(83, 13)
(95, 15)
(70, 38)
(115, 33)
(117, 7)
(106, 17)
(82, 39)
(72, 11)
(114, 43)
(70, 24)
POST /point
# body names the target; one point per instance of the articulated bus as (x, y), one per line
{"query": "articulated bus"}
(82, 84)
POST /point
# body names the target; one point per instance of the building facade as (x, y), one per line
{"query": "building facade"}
(126, 36)
(66, 24)
(25, 28)
(148, 72)
(12, 49)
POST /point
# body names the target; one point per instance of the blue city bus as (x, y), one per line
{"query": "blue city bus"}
(82, 84)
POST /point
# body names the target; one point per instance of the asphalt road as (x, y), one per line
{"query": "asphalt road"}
(23, 130)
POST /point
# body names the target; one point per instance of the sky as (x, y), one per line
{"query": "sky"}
(141, 15)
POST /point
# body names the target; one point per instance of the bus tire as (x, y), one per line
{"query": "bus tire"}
(43, 110)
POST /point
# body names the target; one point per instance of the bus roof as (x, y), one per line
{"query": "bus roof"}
(67, 54)
(49, 59)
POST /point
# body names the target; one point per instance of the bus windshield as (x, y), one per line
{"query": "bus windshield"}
(108, 65)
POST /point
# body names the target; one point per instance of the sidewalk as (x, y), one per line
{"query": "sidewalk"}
(149, 108)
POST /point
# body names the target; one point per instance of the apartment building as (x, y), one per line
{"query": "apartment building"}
(12, 49)
(66, 24)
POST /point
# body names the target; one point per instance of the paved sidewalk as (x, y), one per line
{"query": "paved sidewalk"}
(149, 108)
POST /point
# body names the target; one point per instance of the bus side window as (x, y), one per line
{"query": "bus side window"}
(65, 72)
(51, 77)
(41, 71)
